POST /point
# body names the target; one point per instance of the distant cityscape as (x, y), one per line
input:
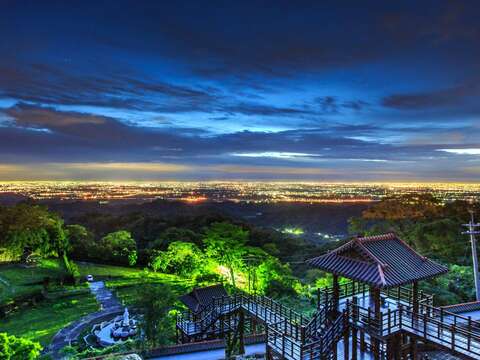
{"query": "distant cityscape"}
(256, 192)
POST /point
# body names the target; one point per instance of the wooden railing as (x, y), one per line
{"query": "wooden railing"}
(353, 288)
(267, 310)
(450, 330)
(319, 320)
(327, 340)
(455, 332)
(279, 341)
(294, 336)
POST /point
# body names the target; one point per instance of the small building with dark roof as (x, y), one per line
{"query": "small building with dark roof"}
(201, 297)
(382, 261)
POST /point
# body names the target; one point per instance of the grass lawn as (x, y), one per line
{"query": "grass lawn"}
(127, 290)
(16, 280)
(65, 305)
(125, 281)
(41, 322)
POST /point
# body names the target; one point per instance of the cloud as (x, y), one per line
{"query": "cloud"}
(272, 170)
(472, 151)
(127, 89)
(437, 98)
(90, 171)
(328, 104)
(43, 117)
(264, 110)
(276, 155)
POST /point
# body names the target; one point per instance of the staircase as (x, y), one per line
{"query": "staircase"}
(288, 333)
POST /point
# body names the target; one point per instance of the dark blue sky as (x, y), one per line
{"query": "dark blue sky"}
(321, 90)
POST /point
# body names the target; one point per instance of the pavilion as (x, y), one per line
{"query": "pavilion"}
(381, 262)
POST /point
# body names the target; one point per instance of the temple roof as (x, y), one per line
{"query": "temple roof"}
(200, 297)
(382, 261)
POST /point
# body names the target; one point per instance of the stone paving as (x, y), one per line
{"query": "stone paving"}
(103, 295)
(110, 306)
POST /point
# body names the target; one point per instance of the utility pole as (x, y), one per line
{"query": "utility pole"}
(472, 232)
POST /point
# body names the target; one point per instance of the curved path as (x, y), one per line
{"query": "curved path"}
(110, 306)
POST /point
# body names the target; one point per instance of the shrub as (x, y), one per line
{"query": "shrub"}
(17, 348)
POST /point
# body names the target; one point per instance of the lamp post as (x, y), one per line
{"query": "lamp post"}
(472, 232)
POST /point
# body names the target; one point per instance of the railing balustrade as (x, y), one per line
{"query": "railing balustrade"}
(293, 335)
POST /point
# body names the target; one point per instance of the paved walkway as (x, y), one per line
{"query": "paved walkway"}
(110, 306)
(103, 295)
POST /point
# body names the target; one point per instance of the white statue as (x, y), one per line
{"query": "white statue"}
(126, 318)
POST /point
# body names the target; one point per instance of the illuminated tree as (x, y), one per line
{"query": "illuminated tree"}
(17, 348)
(155, 302)
(81, 243)
(120, 246)
(181, 258)
(27, 229)
(174, 234)
(225, 243)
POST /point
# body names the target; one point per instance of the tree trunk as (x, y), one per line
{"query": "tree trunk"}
(232, 275)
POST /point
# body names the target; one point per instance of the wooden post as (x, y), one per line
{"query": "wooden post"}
(390, 349)
(336, 293)
(334, 350)
(268, 353)
(346, 343)
(413, 348)
(415, 297)
(354, 343)
(375, 301)
(362, 342)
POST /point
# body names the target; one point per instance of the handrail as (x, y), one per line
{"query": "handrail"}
(318, 320)
(296, 336)
(268, 309)
(352, 288)
(449, 330)
(443, 333)
(315, 350)
(446, 315)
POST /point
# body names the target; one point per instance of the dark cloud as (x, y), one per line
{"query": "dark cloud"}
(457, 95)
(333, 105)
(328, 104)
(264, 110)
(80, 134)
(48, 84)
(355, 104)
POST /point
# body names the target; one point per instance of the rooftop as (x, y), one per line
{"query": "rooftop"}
(382, 261)
(200, 297)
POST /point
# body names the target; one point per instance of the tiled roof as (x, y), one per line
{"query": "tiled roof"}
(463, 308)
(200, 297)
(382, 261)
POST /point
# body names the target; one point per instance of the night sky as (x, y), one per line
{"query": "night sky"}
(321, 90)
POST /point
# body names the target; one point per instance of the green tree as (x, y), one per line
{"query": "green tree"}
(181, 258)
(120, 246)
(81, 242)
(225, 243)
(174, 234)
(17, 348)
(156, 302)
(27, 229)
(409, 206)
